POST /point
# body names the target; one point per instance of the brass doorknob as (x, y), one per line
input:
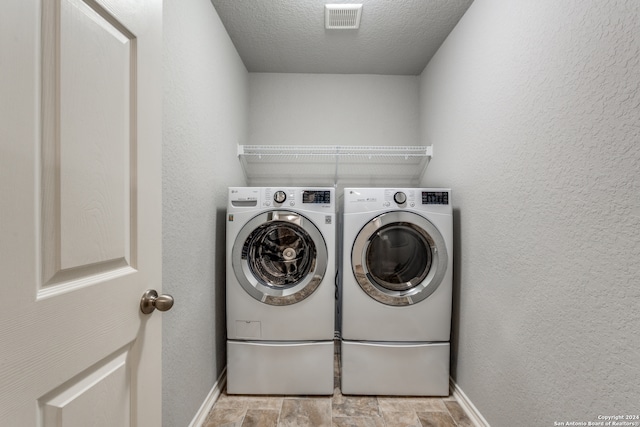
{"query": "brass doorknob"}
(150, 301)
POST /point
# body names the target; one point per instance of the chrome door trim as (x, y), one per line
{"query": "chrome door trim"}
(269, 293)
(411, 293)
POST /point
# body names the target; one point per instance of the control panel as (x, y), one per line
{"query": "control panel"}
(365, 199)
(314, 199)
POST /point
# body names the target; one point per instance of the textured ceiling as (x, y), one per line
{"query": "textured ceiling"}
(288, 36)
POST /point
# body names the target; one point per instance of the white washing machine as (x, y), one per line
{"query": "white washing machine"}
(281, 272)
(396, 291)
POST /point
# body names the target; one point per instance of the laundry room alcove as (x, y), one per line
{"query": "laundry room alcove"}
(336, 165)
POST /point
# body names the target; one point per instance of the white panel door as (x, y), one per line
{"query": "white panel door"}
(80, 212)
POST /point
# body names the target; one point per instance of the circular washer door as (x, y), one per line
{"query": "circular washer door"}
(399, 258)
(279, 257)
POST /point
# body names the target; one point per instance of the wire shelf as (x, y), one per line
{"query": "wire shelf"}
(326, 165)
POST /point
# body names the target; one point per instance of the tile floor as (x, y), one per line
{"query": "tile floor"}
(336, 411)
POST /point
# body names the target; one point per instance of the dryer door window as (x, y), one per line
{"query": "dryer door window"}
(279, 257)
(399, 258)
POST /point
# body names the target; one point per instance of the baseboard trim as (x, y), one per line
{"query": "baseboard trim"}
(212, 397)
(467, 406)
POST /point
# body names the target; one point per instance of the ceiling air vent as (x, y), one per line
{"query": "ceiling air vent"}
(342, 16)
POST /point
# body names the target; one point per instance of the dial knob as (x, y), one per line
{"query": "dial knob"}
(400, 197)
(279, 196)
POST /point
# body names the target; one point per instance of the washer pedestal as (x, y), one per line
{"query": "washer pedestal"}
(262, 367)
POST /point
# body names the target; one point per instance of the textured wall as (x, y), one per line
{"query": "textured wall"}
(333, 109)
(205, 109)
(533, 109)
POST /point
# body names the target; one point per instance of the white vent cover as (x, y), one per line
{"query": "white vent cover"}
(342, 16)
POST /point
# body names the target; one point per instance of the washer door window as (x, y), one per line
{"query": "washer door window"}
(279, 257)
(399, 258)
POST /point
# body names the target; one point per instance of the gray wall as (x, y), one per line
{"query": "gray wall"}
(205, 110)
(333, 109)
(533, 109)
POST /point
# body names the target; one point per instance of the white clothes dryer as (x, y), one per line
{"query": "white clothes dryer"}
(396, 291)
(280, 290)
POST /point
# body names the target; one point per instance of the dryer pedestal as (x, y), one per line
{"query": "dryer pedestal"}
(264, 367)
(388, 368)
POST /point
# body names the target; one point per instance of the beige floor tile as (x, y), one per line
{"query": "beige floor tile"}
(400, 419)
(249, 402)
(406, 404)
(354, 406)
(228, 401)
(458, 414)
(305, 413)
(225, 417)
(358, 422)
(436, 419)
(352, 411)
(261, 418)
